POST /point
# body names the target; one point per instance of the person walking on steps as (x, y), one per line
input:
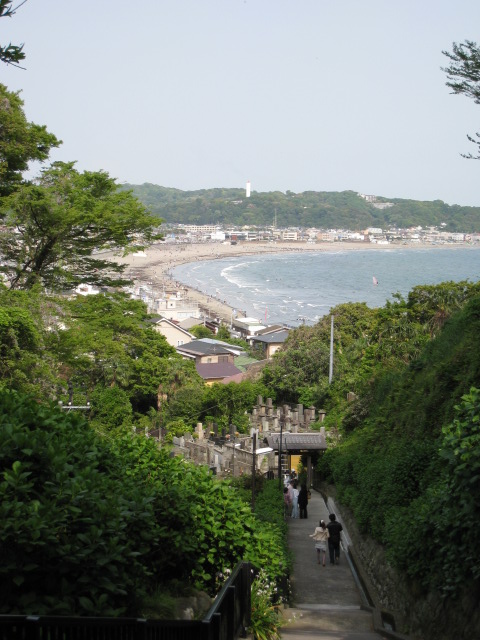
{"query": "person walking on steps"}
(321, 536)
(303, 501)
(334, 530)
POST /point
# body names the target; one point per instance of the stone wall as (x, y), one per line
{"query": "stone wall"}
(416, 614)
(226, 454)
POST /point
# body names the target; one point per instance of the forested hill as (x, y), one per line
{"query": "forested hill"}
(320, 209)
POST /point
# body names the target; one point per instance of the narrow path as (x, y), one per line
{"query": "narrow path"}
(327, 603)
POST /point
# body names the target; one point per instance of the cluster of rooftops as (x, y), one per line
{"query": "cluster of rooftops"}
(218, 361)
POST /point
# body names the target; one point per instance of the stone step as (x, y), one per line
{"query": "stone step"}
(328, 635)
(336, 619)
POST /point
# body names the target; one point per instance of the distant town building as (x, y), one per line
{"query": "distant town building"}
(373, 201)
(175, 306)
(201, 228)
(246, 327)
(218, 236)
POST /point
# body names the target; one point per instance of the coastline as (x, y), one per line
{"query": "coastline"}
(154, 265)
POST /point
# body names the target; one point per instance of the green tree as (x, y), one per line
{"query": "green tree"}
(57, 227)
(64, 505)
(199, 331)
(183, 402)
(20, 141)
(302, 361)
(176, 428)
(227, 404)
(223, 333)
(461, 451)
(463, 75)
(432, 305)
(106, 342)
(110, 409)
(26, 361)
(10, 53)
(91, 525)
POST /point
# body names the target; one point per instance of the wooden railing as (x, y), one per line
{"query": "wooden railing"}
(227, 619)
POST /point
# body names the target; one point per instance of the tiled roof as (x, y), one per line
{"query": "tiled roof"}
(188, 323)
(200, 348)
(312, 441)
(273, 328)
(233, 348)
(216, 370)
(278, 337)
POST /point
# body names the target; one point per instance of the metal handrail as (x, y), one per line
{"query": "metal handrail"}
(227, 619)
(232, 607)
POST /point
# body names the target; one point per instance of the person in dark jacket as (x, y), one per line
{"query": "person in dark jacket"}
(334, 529)
(303, 501)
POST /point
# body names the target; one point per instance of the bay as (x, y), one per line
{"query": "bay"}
(296, 288)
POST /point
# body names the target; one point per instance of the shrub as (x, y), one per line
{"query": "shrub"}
(265, 616)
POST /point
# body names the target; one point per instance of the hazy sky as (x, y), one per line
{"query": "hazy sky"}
(322, 95)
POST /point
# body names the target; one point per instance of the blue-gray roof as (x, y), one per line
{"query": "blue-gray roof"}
(278, 337)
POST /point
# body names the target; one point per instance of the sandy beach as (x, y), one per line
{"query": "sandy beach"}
(154, 265)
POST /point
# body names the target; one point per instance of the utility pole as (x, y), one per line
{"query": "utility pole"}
(280, 483)
(330, 374)
(254, 466)
(232, 435)
(70, 406)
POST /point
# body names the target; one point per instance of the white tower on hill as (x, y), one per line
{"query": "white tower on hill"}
(247, 190)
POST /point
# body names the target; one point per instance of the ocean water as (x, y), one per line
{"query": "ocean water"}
(297, 288)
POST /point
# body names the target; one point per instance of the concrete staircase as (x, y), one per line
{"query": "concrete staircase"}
(327, 602)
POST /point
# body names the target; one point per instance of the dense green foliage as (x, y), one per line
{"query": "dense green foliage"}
(103, 347)
(320, 209)
(367, 343)
(227, 404)
(406, 440)
(92, 525)
(99, 344)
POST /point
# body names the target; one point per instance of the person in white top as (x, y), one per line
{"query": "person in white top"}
(295, 511)
(321, 535)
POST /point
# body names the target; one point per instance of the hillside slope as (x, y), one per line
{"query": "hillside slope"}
(410, 473)
(320, 209)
